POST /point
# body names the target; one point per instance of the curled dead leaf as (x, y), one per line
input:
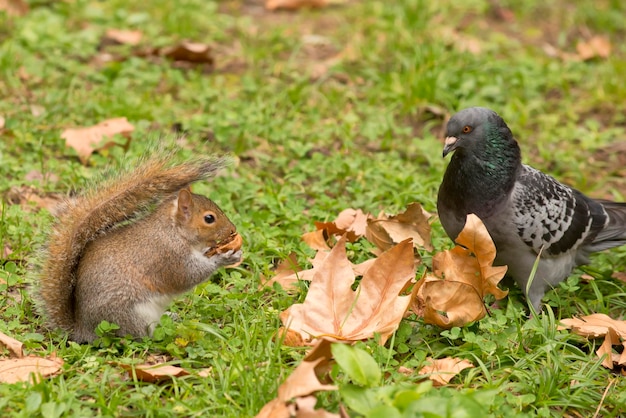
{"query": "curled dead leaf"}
(463, 276)
(286, 274)
(15, 347)
(317, 240)
(386, 231)
(304, 381)
(123, 36)
(293, 4)
(441, 371)
(153, 373)
(192, 52)
(610, 359)
(14, 7)
(596, 47)
(290, 337)
(352, 222)
(594, 325)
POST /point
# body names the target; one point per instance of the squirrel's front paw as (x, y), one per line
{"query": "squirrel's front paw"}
(230, 258)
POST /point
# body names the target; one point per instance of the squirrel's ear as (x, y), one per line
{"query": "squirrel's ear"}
(185, 203)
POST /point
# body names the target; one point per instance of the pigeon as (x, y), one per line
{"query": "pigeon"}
(530, 216)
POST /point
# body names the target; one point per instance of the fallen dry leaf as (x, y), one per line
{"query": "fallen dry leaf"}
(611, 358)
(441, 371)
(208, 372)
(601, 325)
(331, 308)
(596, 47)
(294, 4)
(29, 198)
(15, 347)
(463, 276)
(305, 408)
(594, 325)
(352, 222)
(88, 140)
(301, 383)
(287, 274)
(122, 36)
(29, 368)
(317, 240)
(153, 373)
(619, 275)
(386, 231)
(14, 7)
(192, 52)
(6, 252)
(290, 337)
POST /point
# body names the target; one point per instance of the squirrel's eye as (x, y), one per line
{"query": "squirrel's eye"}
(467, 129)
(209, 218)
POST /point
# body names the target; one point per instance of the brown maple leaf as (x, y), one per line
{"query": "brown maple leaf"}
(386, 231)
(88, 140)
(301, 383)
(352, 222)
(463, 276)
(331, 308)
(597, 326)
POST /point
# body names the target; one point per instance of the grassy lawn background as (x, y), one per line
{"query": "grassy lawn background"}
(324, 109)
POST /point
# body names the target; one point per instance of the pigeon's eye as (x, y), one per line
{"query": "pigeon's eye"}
(467, 129)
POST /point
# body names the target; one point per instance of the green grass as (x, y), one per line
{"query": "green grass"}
(361, 136)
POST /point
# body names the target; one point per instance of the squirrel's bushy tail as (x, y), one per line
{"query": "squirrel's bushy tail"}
(89, 215)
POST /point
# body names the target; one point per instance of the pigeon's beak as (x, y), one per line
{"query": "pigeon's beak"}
(450, 145)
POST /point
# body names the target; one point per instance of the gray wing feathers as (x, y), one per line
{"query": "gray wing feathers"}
(548, 214)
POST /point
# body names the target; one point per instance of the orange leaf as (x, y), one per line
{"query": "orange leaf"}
(594, 325)
(305, 408)
(316, 240)
(123, 37)
(153, 373)
(31, 199)
(352, 222)
(441, 371)
(619, 275)
(287, 274)
(14, 7)
(293, 4)
(14, 346)
(386, 231)
(331, 308)
(462, 278)
(192, 52)
(596, 47)
(87, 140)
(611, 339)
(302, 382)
(28, 369)
(459, 301)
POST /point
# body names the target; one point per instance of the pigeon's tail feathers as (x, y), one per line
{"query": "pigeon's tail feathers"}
(613, 233)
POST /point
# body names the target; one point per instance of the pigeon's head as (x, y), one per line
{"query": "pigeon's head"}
(469, 128)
